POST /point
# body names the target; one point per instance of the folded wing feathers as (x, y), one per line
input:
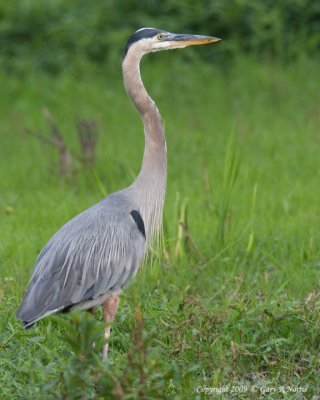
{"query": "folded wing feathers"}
(97, 251)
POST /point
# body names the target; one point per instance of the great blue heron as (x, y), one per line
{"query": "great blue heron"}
(92, 257)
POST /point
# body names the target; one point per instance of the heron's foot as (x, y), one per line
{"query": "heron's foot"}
(110, 307)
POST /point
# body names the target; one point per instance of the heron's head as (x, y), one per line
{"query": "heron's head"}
(147, 40)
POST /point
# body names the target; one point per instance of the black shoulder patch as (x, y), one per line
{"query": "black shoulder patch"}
(140, 34)
(139, 221)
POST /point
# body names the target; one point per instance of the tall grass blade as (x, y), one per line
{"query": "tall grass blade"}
(230, 175)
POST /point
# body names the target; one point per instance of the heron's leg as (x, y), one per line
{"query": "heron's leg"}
(110, 307)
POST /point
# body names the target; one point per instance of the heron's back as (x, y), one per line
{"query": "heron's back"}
(95, 253)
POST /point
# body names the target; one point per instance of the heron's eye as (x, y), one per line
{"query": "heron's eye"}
(160, 36)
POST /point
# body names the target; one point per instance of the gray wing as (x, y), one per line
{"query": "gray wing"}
(96, 252)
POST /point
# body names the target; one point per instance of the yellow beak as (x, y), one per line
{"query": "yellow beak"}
(190, 40)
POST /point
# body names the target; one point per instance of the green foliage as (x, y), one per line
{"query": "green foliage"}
(57, 35)
(242, 311)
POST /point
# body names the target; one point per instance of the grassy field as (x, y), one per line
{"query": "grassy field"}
(230, 307)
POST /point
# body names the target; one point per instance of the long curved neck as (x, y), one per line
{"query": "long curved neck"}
(150, 185)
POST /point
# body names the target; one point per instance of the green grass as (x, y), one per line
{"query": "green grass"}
(234, 300)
